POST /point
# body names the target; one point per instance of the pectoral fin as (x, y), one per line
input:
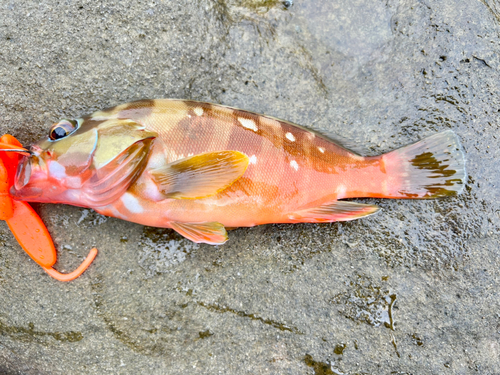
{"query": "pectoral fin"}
(334, 211)
(212, 233)
(201, 175)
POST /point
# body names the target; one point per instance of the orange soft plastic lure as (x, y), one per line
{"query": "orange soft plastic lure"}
(27, 227)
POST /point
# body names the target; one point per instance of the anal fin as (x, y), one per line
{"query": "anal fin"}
(333, 211)
(212, 233)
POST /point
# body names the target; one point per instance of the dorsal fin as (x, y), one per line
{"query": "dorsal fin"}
(339, 140)
(329, 135)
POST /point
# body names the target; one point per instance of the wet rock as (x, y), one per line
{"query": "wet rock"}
(277, 298)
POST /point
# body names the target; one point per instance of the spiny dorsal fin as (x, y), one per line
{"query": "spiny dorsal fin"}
(341, 141)
(333, 211)
(201, 175)
(212, 233)
(329, 135)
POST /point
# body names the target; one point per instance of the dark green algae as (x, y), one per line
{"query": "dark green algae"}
(320, 368)
(278, 325)
(30, 334)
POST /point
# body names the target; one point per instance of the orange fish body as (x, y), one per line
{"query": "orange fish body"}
(198, 167)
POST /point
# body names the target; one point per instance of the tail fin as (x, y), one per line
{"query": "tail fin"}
(431, 168)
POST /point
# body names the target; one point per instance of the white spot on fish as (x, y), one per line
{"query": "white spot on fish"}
(247, 123)
(252, 159)
(341, 190)
(385, 190)
(115, 213)
(73, 182)
(190, 154)
(156, 160)
(357, 157)
(131, 203)
(56, 170)
(321, 149)
(290, 136)
(150, 191)
(198, 111)
(189, 116)
(294, 165)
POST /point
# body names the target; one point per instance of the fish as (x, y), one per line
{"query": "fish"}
(201, 168)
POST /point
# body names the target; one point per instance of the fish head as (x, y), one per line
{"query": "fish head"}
(77, 157)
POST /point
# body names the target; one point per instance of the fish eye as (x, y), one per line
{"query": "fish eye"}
(62, 129)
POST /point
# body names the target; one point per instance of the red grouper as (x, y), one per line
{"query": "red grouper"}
(198, 168)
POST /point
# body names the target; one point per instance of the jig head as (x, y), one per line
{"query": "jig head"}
(27, 227)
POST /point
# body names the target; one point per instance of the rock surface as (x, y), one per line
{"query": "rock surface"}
(412, 290)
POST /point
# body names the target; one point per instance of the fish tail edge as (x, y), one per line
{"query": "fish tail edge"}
(431, 168)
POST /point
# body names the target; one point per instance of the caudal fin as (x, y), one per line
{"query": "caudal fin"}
(431, 168)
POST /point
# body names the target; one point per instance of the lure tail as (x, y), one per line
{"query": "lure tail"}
(431, 168)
